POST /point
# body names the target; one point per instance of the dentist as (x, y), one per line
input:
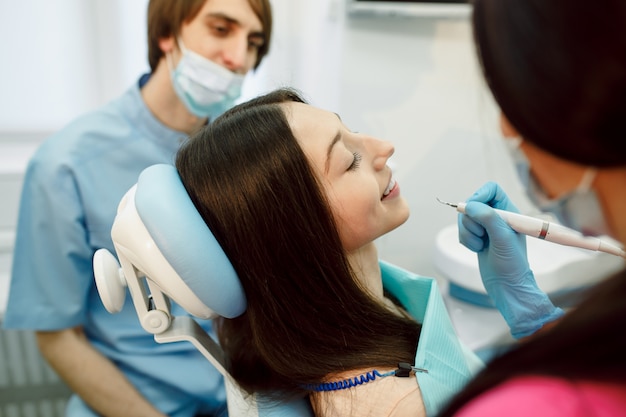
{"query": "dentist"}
(557, 70)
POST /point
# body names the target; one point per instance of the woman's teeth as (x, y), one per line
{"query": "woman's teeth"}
(392, 184)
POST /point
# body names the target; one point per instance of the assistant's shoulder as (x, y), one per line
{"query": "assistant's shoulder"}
(107, 121)
(90, 134)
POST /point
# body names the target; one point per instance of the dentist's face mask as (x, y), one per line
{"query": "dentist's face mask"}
(579, 209)
(206, 88)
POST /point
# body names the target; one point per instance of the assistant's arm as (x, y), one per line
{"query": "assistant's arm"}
(51, 283)
(91, 375)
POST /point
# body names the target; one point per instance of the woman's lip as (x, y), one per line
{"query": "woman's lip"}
(395, 191)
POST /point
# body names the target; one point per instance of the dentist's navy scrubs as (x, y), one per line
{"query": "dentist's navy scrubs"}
(72, 187)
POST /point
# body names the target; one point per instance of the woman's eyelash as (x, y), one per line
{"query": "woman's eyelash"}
(355, 162)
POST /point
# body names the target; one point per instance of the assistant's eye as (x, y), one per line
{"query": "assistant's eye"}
(219, 27)
(256, 42)
(356, 161)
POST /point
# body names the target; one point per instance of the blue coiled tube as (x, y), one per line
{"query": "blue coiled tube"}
(348, 383)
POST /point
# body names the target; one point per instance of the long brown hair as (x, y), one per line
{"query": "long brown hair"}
(307, 315)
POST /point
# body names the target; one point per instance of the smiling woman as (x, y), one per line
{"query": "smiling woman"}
(353, 171)
(296, 200)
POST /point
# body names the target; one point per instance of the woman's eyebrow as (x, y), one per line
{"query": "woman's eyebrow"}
(336, 139)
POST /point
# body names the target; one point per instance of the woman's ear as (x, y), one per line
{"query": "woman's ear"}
(508, 131)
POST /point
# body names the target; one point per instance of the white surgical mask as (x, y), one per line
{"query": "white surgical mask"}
(206, 88)
(579, 209)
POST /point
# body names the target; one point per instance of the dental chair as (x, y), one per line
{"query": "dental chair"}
(167, 253)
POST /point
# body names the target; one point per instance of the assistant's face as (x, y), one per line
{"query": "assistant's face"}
(364, 197)
(227, 32)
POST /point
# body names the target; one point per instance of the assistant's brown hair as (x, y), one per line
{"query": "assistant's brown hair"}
(307, 315)
(166, 17)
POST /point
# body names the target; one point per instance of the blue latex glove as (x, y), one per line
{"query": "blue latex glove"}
(503, 262)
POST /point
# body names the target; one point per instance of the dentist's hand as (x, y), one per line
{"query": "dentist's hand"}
(503, 262)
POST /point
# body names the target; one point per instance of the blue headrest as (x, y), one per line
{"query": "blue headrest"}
(186, 242)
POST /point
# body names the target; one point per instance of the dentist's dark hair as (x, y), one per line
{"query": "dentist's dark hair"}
(557, 69)
(307, 315)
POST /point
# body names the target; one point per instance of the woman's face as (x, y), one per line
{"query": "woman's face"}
(364, 197)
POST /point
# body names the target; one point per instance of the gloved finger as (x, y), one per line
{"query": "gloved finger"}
(497, 229)
(505, 245)
(471, 226)
(493, 195)
(471, 234)
(485, 193)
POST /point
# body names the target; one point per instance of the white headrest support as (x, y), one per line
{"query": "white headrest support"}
(178, 252)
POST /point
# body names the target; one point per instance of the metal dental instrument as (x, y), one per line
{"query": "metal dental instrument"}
(552, 232)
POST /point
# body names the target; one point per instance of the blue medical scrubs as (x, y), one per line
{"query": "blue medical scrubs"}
(71, 190)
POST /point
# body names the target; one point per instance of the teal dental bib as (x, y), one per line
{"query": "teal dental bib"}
(450, 364)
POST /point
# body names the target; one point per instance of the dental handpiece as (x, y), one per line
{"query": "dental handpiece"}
(552, 232)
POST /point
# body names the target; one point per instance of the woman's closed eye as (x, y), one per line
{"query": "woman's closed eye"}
(356, 161)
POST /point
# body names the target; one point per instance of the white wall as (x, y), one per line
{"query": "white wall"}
(64, 57)
(413, 81)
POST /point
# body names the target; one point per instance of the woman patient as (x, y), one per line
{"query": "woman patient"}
(296, 201)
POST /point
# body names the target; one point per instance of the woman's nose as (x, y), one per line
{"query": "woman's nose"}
(383, 151)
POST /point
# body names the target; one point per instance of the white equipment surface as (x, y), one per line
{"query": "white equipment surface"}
(557, 268)
(561, 271)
